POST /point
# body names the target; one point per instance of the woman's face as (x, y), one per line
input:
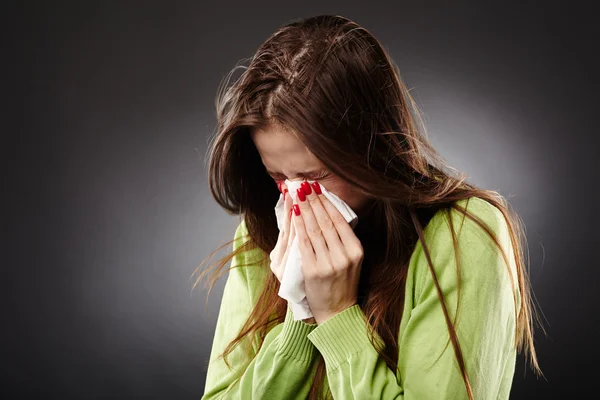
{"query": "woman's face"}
(286, 157)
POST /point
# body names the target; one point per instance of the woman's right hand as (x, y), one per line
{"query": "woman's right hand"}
(284, 242)
(286, 235)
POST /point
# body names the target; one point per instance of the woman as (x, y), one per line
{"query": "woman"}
(427, 298)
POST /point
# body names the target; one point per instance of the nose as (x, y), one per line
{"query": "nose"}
(284, 183)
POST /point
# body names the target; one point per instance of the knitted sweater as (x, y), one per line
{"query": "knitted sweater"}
(427, 366)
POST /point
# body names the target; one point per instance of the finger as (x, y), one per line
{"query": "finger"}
(288, 202)
(277, 253)
(312, 228)
(287, 249)
(343, 228)
(332, 239)
(288, 223)
(304, 244)
(291, 235)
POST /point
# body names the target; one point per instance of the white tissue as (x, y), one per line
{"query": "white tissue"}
(292, 282)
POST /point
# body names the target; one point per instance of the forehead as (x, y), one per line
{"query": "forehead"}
(281, 150)
(275, 138)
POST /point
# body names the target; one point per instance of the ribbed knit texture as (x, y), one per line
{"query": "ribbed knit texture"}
(344, 327)
(293, 341)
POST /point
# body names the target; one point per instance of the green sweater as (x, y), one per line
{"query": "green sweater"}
(427, 366)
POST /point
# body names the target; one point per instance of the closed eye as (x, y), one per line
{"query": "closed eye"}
(316, 175)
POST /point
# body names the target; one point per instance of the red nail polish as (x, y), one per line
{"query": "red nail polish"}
(296, 209)
(279, 186)
(301, 194)
(306, 188)
(284, 193)
(317, 187)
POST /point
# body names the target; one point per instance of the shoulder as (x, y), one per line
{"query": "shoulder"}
(475, 255)
(464, 227)
(241, 234)
(470, 236)
(248, 261)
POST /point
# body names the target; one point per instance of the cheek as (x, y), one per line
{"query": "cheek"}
(355, 203)
(343, 191)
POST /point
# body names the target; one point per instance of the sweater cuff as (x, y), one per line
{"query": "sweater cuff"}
(343, 335)
(293, 340)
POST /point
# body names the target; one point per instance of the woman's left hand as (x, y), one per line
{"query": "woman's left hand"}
(331, 253)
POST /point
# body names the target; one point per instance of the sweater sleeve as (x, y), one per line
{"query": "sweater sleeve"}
(285, 360)
(427, 366)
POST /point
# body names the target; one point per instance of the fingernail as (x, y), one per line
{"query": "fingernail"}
(301, 194)
(296, 209)
(306, 188)
(317, 187)
(284, 193)
(279, 186)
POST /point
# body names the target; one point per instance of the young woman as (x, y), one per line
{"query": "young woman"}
(426, 298)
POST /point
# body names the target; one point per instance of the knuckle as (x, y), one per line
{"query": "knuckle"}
(315, 232)
(304, 241)
(311, 276)
(357, 254)
(328, 224)
(322, 273)
(359, 248)
(338, 219)
(340, 264)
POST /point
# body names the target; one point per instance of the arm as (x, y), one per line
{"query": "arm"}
(427, 363)
(285, 361)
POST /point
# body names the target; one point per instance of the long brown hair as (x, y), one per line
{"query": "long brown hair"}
(328, 81)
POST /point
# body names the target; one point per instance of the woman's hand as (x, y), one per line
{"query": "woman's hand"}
(279, 254)
(286, 236)
(331, 253)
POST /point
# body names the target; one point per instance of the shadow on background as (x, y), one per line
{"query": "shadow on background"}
(110, 107)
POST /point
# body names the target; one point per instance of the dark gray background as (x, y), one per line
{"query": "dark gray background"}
(109, 107)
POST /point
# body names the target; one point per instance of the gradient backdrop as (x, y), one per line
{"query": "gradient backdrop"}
(110, 106)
